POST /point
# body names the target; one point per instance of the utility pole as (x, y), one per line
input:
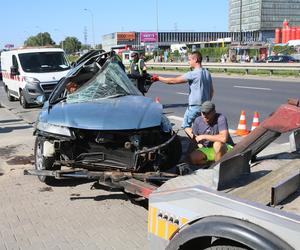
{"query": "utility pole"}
(157, 24)
(85, 35)
(93, 32)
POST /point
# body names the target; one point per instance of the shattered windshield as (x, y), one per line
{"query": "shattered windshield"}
(111, 82)
(39, 62)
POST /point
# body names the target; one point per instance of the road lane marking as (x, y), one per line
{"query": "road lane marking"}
(246, 87)
(182, 93)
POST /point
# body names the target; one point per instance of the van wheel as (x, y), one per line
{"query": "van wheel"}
(9, 97)
(23, 101)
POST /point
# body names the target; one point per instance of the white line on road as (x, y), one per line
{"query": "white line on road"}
(245, 87)
(181, 93)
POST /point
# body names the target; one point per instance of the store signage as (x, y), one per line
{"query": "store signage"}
(148, 37)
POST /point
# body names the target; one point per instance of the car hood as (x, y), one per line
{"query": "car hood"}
(122, 113)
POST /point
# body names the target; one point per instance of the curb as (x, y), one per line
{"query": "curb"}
(16, 114)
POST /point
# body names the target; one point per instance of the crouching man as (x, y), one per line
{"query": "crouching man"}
(210, 132)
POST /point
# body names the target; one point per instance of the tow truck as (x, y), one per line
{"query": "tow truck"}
(240, 202)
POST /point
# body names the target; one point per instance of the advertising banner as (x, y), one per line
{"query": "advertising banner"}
(125, 36)
(148, 37)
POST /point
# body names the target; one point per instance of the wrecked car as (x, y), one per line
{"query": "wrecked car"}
(104, 123)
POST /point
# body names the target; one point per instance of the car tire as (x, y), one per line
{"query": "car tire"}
(9, 97)
(173, 154)
(23, 101)
(42, 162)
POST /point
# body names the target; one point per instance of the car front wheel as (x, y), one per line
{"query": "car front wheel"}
(42, 162)
(172, 154)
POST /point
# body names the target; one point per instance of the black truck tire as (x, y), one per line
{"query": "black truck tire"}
(225, 247)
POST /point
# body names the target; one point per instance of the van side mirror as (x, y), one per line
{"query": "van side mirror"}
(14, 70)
(40, 100)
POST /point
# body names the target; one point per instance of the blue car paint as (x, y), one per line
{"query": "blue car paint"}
(122, 113)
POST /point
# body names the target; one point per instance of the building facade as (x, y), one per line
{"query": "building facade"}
(140, 40)
(262, 15)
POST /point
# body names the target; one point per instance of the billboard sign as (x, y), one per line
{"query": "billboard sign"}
(125, 36)
(148, 37)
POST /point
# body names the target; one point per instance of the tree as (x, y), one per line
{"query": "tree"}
(71, 45)
(285, 50)
(41, 39)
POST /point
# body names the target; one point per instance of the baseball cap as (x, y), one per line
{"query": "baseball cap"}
(207, 107)
(134, 54)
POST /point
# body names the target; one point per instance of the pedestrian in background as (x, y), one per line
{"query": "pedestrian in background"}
(200, 89)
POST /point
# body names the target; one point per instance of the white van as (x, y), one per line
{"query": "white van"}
(182, 48)
(31, 72)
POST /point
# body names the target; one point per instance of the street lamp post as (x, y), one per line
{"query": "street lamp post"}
(93, 33)
(241, 16)
(157, 25)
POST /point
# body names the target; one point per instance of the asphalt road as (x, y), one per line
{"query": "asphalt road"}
(231, 96)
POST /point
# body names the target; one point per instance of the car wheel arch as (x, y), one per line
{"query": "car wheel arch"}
(228, 228)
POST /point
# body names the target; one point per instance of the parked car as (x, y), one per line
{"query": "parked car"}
(280, 59)
(104, 123)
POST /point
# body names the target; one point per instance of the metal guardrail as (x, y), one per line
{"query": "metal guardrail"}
(271, 67)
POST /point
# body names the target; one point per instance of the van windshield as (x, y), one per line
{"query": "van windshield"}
(39, 62)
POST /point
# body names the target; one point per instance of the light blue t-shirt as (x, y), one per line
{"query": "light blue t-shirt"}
(200, 86)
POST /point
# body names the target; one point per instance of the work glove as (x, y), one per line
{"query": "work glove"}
(154, 78)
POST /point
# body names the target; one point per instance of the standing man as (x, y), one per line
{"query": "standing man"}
(137, 71)
(200, 89)
(210, 131)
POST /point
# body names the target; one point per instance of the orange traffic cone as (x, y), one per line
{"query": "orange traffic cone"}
(242, 127)
(157, 99)
(255, 122)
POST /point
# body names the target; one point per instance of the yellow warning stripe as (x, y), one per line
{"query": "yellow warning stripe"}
(161, 232)
(162, 227)
(172, 228)
(184, 220)
(153, 220)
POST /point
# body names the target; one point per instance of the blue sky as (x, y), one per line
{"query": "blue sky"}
(21, 19)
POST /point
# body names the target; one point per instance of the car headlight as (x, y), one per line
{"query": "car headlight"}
(31, 79)
(165, 124)
(53, 129)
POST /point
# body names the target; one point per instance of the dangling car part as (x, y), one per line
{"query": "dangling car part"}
(105, 123)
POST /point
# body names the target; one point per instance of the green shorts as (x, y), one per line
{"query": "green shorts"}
(210, 153)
